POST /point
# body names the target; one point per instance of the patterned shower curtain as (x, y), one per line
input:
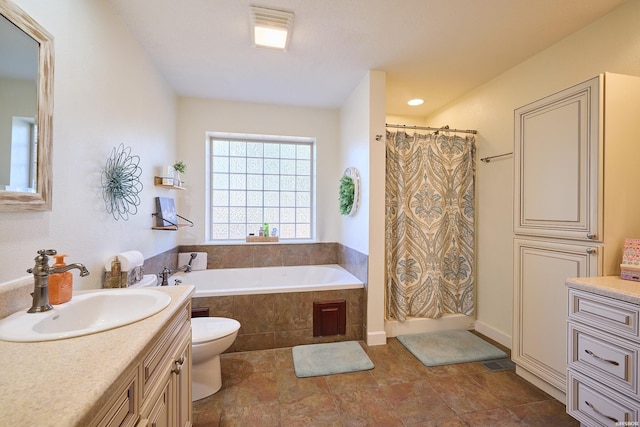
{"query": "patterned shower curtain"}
(429, 210)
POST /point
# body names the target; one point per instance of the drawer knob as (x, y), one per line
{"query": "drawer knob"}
(602, 359)
(591, 250)
(178, 365)
(591, 236)
(593, 408)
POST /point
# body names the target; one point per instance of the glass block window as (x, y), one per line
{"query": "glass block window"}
(257, 181)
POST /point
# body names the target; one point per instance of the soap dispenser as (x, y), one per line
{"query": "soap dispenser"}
(60, 284)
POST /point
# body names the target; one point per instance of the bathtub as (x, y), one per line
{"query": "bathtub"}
(268, 280)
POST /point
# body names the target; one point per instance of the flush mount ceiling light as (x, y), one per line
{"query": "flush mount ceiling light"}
(271, 28)
(416, 102)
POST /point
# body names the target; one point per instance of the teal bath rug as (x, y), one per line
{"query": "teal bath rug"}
(313, 360)
(449, 347)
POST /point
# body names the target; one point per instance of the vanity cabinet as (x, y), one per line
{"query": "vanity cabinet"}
(156, 391)
(603, 348)
(575, 200)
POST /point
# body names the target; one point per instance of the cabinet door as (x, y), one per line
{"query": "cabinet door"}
(160, 414)
(556, 155)
(540, 303)
(182, 384)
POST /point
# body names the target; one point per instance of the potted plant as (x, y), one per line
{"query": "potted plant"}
(180, 167)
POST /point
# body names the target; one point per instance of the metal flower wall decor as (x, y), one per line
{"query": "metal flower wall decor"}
(121, 184)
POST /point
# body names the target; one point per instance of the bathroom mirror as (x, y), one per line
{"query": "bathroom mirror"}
(26, 111)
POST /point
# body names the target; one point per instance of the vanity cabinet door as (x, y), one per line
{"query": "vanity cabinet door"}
(160, 414)
(182, 382)
(168, 401)
(556, 158)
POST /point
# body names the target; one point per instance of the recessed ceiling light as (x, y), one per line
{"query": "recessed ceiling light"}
(416, 102)
(271, 28)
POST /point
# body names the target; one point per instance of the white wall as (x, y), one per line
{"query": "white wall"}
(361, 119)
(609, 44)
(106, 92)
(198, 116)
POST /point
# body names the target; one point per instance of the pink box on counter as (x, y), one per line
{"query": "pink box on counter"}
(630, 267)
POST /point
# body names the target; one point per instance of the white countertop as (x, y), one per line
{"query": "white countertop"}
(64, 383)
(608, 286)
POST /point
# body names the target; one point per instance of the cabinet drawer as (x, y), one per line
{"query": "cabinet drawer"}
(154, 364)
(604, 313)
(594, 404)
(608, 359)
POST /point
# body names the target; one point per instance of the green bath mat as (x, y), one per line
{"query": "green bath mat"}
(326, 359)
(449, 347)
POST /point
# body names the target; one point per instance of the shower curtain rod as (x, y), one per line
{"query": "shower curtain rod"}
(443, 128)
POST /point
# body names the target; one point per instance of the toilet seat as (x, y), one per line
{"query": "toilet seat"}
(205, 329)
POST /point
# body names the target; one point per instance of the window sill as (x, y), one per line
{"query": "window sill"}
(244, 242)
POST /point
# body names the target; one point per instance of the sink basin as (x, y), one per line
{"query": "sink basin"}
(85, 314)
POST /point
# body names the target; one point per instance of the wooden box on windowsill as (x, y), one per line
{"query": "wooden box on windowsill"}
(261, 239)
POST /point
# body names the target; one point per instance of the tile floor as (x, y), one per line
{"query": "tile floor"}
(260, 389)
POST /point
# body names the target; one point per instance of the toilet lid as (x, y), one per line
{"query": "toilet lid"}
(211, 328)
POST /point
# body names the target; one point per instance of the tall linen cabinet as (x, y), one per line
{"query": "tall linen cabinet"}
(576, 197)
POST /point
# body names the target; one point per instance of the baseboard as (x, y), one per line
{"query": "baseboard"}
(376, 338)
(490, 332)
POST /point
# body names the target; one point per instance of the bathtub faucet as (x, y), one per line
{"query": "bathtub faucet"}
(166, 272)
(191, 258)
(41, 272)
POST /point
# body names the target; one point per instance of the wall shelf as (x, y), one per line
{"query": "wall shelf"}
(261, 239)
(173, 226)
(158, 181)
(166, 217)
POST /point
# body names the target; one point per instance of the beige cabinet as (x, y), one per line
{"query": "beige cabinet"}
(603, 349)
(539, 337)
(156, 392)
(575, 200)
(169, 402)
(556, 164)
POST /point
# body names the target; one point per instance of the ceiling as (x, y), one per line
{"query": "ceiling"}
(437, 50)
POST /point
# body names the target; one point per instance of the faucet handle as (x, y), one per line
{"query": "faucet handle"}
(42, 260)
(42, 255)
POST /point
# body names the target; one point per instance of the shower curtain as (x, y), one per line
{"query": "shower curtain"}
(429, 213)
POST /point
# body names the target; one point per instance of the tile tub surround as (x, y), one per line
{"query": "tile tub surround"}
(66, 382)
(283, 320)
(247, 255)
(286, 320)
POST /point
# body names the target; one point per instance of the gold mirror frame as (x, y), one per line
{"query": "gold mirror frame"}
(41, 199)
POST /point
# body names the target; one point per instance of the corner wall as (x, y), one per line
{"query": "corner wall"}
(361, 119)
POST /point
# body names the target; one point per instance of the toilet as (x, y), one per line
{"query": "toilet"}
(210, 336)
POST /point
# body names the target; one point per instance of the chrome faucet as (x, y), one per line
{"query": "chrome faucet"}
(41, 272)
(166, 272)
